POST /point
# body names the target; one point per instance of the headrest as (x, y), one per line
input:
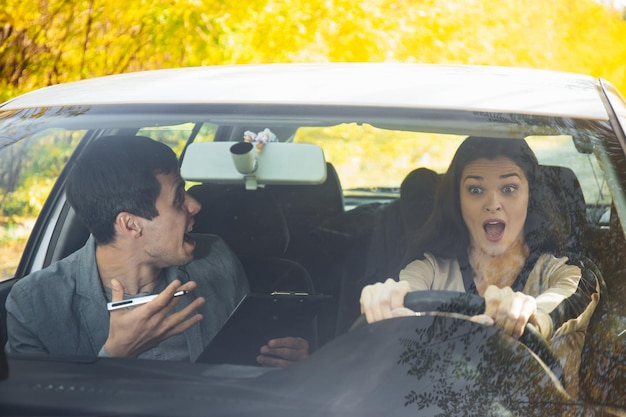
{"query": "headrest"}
(569, 200)
(323, 200)
(250, 221)
(417, 196)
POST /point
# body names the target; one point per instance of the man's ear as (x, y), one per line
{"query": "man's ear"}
(129, 225)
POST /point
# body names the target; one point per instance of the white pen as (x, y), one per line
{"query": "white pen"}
(114, 305)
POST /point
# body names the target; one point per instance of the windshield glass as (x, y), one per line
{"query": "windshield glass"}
(381, 170)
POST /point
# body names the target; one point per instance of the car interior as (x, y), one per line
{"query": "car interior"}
(301, 236)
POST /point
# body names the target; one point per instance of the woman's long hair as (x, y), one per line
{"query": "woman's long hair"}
(445, 234)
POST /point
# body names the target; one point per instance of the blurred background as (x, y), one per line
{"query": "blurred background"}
(45, 42)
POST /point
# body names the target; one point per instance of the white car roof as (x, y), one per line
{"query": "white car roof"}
(426, 86)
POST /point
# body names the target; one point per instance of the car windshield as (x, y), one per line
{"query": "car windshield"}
(349, 229)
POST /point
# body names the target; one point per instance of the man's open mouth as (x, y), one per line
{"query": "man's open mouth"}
(187, 237)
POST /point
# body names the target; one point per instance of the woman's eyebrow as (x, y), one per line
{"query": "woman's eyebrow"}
(512, 174)
(480, 178)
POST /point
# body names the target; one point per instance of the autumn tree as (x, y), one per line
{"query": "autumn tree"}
(44, 42)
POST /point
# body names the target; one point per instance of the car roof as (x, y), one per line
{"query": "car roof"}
(424, 86)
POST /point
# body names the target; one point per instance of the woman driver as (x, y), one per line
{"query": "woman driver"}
(493, 233)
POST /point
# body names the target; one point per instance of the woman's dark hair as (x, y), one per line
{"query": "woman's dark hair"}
(445, 234)
(116, 174)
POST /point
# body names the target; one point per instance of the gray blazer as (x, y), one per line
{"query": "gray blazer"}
(62, 308)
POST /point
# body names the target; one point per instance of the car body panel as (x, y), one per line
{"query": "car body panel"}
(467, 88)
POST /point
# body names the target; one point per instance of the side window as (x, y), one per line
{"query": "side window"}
(28, 170)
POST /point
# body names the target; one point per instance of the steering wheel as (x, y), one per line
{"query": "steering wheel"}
(470, 305)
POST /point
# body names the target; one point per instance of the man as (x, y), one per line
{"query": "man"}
(130, 195)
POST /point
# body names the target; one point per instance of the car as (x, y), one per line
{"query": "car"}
(318, 176)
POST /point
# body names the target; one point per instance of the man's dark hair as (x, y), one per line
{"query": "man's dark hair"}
(445, 234)
(116, 174)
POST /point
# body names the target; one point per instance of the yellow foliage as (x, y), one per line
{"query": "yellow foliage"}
(46, 42)
(380, 156)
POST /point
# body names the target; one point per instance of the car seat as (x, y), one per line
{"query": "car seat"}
(603, 366)
(253, 225)
(566, 198)
(393, 225)
(398, 222)
(308, 209)
(601, 378)
(569, 200)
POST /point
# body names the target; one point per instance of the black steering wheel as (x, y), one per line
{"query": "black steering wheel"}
(470, 305)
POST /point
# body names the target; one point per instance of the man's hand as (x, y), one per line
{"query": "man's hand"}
(283, 352)
(384, 300)
(133, 331)
(508, 310)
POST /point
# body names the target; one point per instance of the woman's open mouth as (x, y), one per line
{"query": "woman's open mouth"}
(494, 230)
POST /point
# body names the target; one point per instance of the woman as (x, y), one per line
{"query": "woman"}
(493, 233)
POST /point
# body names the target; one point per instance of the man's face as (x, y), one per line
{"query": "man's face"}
(494, 203)
(166, 236)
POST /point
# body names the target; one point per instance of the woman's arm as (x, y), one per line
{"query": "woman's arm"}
(568, 293)
(384, 300)
(559, 293)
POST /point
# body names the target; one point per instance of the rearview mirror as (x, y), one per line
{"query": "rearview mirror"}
(275, 163)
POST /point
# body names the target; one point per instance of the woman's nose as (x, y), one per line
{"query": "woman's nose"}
(492, 204)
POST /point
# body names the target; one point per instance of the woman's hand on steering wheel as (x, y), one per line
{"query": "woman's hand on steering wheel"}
(384, 300)
(387, 299)
(474, 308)
(509, 310)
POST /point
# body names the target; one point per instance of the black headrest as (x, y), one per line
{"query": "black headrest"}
(250, 221)
(569, 201)
(417, 196)
(323, 200)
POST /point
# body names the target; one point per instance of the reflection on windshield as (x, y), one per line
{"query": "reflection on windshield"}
(603, 359)
(476, 379)
(427, 365)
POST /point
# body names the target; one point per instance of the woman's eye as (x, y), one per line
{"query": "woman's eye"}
(509, 189)
(474, 190)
